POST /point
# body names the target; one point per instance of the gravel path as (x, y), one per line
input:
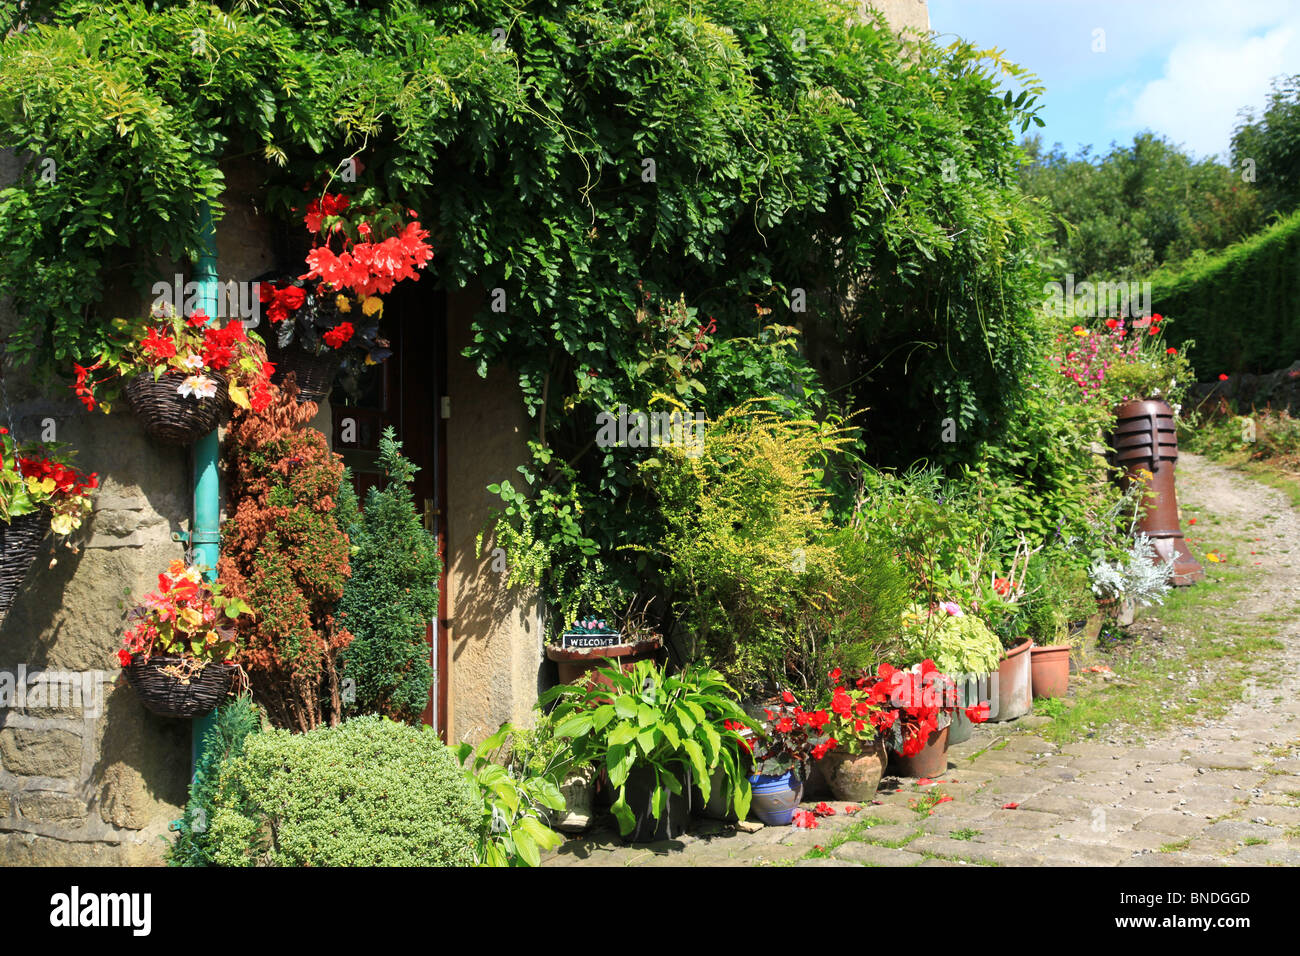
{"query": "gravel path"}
(1217, 792)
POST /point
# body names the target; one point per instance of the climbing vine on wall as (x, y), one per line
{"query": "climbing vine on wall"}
(741, 152)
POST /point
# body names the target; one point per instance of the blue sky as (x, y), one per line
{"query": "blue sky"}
(1182, 68)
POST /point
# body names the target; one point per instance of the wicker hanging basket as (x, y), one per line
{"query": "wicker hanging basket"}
(170, 417)
(19, 541)
(315, 373)
(165, 695)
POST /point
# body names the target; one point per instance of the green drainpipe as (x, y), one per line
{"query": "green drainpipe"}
(205, 532)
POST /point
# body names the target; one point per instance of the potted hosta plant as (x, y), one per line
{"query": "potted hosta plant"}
(961, 646)
(658, 737)
(791, 738)
(916, 709)
(39, 491)
(856, 761)
(177, 650)
(326, 320)
(179, 375)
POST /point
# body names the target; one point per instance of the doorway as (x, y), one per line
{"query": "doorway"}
(407, 392)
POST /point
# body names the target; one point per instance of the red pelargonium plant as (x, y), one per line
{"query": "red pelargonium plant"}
(186, 618)
(913, 704)
(792, 737)
(855, 717)
(166, 343)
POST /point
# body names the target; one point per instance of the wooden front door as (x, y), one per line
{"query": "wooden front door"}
(406, 392)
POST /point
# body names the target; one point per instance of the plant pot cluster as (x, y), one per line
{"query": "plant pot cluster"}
(661, 746)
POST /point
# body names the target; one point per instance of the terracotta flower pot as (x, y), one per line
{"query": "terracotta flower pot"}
(931, 761)
(1051, 670)
(855, 777)
(1011, 687)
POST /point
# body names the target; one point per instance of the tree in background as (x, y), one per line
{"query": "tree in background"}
(1272, 142)
(391, 596)
(1136, 208)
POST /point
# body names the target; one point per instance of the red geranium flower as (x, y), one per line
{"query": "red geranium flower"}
(337, 336)
(158, 347)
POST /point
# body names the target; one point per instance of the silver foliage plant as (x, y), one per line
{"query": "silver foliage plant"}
(1139, 576)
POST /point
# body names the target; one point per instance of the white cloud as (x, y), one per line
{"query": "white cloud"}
(1208, 79)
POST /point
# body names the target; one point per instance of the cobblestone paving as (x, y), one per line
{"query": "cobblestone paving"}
(1225, 792)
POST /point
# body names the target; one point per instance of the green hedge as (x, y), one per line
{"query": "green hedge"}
(1242, 306)
(369, 792)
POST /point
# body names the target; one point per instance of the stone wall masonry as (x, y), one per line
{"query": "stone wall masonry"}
(102, 788)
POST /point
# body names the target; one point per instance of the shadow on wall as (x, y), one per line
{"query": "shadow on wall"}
(489, 612)
(142, 765)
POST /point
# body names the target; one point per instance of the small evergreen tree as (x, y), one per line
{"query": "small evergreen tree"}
(391, 597)
(223, 742)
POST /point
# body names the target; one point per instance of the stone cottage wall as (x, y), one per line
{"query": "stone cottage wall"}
(96, 779)
(496, 632)
(87, 777)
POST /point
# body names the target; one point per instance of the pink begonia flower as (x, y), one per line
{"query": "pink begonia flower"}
(952, 609)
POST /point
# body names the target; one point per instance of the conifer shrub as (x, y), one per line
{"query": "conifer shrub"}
(391, 596)
(367, 792)
(284, 554)
(231, 726)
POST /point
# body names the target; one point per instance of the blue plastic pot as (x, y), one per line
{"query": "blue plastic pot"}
(775, 798)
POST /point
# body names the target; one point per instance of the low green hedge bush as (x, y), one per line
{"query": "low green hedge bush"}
(368, 792)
